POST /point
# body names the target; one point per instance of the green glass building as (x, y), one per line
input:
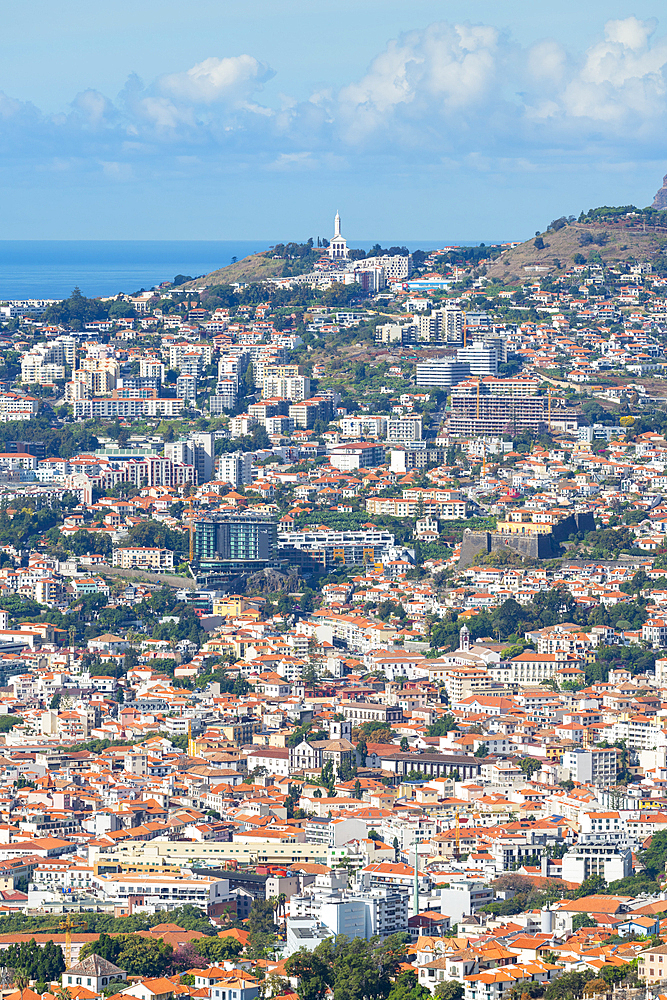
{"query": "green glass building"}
(239, 543)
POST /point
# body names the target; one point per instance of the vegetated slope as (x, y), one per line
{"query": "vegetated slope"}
(256, 267)
(611, 242)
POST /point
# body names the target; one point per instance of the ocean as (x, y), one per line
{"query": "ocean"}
(50, 269)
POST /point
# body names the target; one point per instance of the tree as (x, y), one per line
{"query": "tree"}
(377, 731)
(406, 987)
(313, 972)
(22, 981)
(356, 793)
(191, 918)
(137, 955)
(359, 968)
(590, 886)
(482, 750)
(569, 985)
(442, 726)
(217, 949)
(528, 765)
(261, 926)
(187, 956)
(449, 991)
(329, 778)
(404, 744)
(514, 882)
(43, 964)
(582, 920)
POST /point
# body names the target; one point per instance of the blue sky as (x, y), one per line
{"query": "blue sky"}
(221, 120)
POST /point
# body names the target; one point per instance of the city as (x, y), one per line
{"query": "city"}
(333, 625)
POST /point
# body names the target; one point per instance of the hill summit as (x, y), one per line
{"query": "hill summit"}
(660, 200)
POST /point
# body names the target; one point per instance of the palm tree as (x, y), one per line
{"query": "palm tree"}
(21, 980)
(282, 899)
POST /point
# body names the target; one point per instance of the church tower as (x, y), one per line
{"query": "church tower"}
(464, 641)
(338, 246)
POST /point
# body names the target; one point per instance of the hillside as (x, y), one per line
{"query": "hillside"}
(611, 241)
(256, 267)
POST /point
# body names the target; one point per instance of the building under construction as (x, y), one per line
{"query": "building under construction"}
(477, 410)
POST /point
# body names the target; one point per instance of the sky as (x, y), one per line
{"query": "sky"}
(140, 119)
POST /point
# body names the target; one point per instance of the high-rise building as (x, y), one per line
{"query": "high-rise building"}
(483, 360)
(441, 326)
(186, 387)
(197, 450)
(235, 468)
(404, 428)
(442, 372)
(239, 543)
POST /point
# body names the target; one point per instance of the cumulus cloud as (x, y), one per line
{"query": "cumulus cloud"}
(446, 70)
(622, 78)
(235, 78)
(464, 93)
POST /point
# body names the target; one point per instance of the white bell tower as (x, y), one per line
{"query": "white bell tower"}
(338, 246)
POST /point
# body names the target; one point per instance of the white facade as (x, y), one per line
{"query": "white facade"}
(593, 766)
(401, 429)
(338, 246)
(235, 468)
(602, 854)
(483, 360)
(163, 892)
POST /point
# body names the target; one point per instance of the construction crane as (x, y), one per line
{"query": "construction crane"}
(192, 749)
(68, 926)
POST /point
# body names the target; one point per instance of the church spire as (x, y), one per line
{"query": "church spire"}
(337, 225)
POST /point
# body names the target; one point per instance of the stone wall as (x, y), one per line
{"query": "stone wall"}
(479, 543)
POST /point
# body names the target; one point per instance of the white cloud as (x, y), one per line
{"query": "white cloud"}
(469, 88)
(94, 109)
(294, 161)
(444, 69)
(234, 78)
(464, 92)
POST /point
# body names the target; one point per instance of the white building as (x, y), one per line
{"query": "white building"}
(402, 429)
(93, 973)
(198, 451)
(235, 468)
(338, 246)
(483, 360)
(594, 766)
(601, 853)
(356, 913)
(163, 892)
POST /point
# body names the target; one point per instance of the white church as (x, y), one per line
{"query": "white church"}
(338, 246)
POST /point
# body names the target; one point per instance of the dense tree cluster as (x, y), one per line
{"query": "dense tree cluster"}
(355, 969)
(45, 964)
(138, 956)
